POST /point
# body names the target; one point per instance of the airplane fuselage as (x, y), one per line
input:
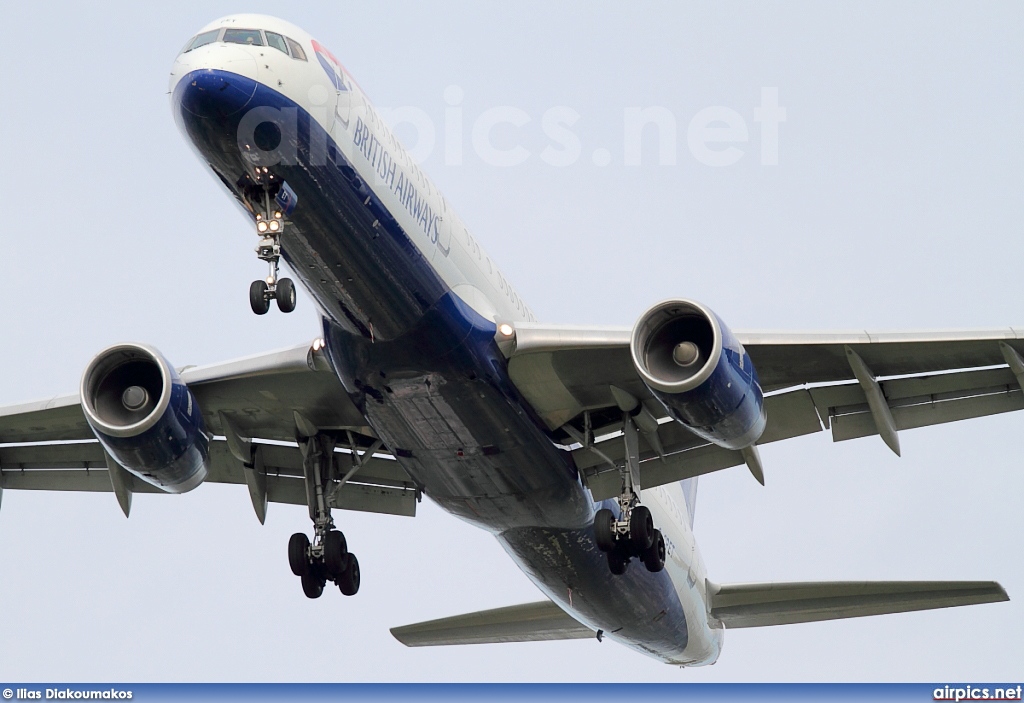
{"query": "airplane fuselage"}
(411, 305)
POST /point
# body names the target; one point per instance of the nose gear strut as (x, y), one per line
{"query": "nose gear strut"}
(270, 226)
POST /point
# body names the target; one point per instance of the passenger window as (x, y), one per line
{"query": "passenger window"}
(202, 40)
(296, 48)
(277, 41)
(243, 36)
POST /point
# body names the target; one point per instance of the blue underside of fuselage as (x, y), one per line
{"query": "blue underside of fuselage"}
(424, 369)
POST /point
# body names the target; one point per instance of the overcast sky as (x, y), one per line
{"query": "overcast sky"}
(895, 204)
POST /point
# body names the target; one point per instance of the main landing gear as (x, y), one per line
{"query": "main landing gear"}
(334, 563)
(326, 558)
(270, 227)
(633, 534)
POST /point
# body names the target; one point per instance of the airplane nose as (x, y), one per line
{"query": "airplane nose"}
(216, 81)
(213, 94)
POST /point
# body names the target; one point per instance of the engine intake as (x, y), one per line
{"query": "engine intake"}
(694, 365)
(146, 417)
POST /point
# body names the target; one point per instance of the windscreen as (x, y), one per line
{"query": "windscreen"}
(202, 40)
(252, 37)
(277, 41)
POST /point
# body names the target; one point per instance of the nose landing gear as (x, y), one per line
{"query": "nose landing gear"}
(270, 227)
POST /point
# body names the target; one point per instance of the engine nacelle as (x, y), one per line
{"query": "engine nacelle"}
(693, 364)
(146, 417)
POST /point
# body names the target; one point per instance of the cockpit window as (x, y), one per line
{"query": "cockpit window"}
(243, 36)
(297, 52)
(202, 40)
(277, 41)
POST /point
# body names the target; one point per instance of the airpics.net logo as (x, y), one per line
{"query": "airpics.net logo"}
(715, 136)
(977, 693)
(506, 136)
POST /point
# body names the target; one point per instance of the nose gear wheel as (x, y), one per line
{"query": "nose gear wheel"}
(270, 225)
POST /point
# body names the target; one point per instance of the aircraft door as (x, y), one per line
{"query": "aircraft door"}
(444, 229)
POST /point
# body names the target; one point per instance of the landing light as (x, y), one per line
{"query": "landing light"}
(274, 225)
(261, 226)
(505, 329)
(318, 344)
(277, 214)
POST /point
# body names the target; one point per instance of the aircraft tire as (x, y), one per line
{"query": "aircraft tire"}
(348, 582)
(335, 553)
(617, 563)
(604, 533)
(285, 295)
(641, 529)
(654, 557)
(298, 549)
(312, 585)
(258, 297)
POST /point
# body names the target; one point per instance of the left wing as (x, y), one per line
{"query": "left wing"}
(49, 445)
(855, 385)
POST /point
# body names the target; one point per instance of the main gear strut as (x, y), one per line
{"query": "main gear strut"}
(632, 533)
(326, 558)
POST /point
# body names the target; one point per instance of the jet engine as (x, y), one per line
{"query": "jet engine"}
(146, 417)
(694, 365)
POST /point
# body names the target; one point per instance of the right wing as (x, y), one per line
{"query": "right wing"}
(570, 376)
(762, 604)
(49, 445)
(529, 622)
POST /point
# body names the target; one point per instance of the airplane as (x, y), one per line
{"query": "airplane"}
(579, 448)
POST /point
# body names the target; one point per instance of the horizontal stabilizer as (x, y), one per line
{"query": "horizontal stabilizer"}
(529, 622)
(761, 604)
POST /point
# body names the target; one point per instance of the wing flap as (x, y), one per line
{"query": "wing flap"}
(789, 414)
(763, 604)
(789, 359)
(380, 486)
(86, 480)
(529, 622)
(920, 401)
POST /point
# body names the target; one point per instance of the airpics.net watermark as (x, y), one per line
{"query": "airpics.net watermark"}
(977, 693)
(716, 136)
